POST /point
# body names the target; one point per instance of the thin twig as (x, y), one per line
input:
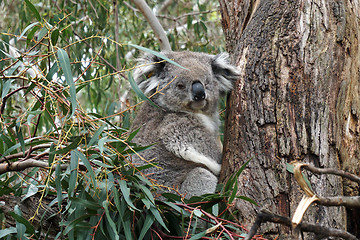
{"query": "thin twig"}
(208, 215)
(332, 171)
(9, 95)
(186, 15)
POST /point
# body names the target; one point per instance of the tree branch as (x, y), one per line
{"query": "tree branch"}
(165, 5)
(347, 201)
(154, 23)
(22, 165)
(333, 171)
(27, 152)
(266, 216)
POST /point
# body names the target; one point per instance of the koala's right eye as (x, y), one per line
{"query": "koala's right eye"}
(180, 86)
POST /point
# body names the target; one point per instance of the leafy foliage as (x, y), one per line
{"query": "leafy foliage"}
(64, 133)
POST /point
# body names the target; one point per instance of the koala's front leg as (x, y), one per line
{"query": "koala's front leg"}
(190, 154)
(192, 144)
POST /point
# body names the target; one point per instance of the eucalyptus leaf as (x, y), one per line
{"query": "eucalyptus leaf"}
(65, 65)
(33, 9)
(149, 220)
(126, 194)
(27, 28)
(138, 92)
(156, 54)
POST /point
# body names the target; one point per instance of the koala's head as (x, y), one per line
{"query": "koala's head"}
(194, 89)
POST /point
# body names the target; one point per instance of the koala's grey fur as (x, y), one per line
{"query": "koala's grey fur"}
(185, 126)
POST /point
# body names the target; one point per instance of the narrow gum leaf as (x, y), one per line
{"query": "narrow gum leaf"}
(65, 65)
(33, 9)
(157, 54)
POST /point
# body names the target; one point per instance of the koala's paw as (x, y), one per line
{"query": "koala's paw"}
(190, 154)
(199, 181)
(216, 169)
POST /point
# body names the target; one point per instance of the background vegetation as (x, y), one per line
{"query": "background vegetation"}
(66, 107)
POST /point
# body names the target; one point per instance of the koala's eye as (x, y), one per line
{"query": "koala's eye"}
(180, 86)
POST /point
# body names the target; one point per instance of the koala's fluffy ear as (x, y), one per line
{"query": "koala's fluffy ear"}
(224, 72)
(146, 74)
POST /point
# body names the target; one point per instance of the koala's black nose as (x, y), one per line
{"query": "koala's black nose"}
(198, 91)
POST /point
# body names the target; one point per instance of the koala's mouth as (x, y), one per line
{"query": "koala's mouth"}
(198, 105)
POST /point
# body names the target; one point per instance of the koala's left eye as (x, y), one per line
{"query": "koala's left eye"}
(180, 86)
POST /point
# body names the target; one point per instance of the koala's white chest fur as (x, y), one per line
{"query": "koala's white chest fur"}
(210, 123)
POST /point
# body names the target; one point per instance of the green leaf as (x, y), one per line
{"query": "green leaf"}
(32, 190)
(87, 165)
(31, 87)
(198, 236)
(12, 148)
(33, 9)
(78, 221)
(138, 92)
(22, 220)
(102, 142)
(127, 229)
(158, 217)
(65, 65)
(86, 203)
(96, 135)
(7, 231)
(149, 220)
(20, 228)
(31, 34)
(76, 142)
(27, 28)
(146, 202)
(157, 54)
(176, 208)
(55, 36)
(126, 193)
(74, 161)
(247, 199)
(290, 168)
(54, 68)
(132, 135)
(7, 140)
(234, 191)
(147, 193)
(51, 155)
(5, 87)
(42, 33)
(58, 185)
(108, 217)
(232, 183)
(229, 184)
(13, 68)
(20, 137)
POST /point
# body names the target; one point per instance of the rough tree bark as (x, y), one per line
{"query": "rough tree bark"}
(297, 99)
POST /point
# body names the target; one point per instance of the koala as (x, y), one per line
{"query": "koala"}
(185, 125)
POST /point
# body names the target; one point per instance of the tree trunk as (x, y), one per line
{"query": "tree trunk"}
(297, 99)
